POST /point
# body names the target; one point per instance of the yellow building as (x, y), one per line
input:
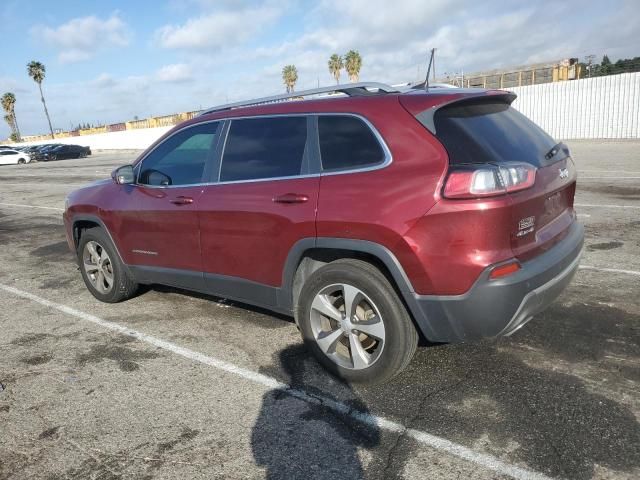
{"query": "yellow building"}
(561, 70)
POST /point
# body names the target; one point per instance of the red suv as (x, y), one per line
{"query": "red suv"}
(373, 217)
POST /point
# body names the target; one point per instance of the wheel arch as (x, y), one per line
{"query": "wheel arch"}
(85, 222)
(308, 255)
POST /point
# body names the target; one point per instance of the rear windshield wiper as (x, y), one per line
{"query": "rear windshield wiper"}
(557, 149)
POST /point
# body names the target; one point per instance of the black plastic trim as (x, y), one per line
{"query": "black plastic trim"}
(95, 219)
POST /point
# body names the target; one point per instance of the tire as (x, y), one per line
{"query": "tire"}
(53, 158)
(376, 302)
(21, 161)
(106, 277)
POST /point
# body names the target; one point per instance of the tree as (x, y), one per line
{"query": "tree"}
(9, 119)
(290, 77)
(8, 102)
(37, 71)
(605, 66)
(335, 65)
(353, 64)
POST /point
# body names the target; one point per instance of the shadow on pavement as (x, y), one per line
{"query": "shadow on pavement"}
(296, 439)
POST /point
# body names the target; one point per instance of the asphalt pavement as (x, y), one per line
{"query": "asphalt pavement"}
(177, 385)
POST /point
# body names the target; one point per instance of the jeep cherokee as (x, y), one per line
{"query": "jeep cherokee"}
(372, 216)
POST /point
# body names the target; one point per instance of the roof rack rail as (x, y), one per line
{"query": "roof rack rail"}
(351, 89)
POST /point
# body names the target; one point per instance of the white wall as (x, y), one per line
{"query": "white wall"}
(599, 107)
(125, 140)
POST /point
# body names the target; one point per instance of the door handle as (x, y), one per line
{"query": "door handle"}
(182, 200)
(291, 198)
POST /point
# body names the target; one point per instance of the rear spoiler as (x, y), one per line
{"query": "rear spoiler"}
(425, 106)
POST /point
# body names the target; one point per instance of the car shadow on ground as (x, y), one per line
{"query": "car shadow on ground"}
(293, 438)
(485, 396)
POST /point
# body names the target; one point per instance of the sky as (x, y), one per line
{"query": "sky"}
(111, 61)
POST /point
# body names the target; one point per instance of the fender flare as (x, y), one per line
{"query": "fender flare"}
(382, 253)
(95, 219)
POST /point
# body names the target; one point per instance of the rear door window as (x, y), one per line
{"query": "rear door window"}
(481, 131)
(347, 142)
(264, 148)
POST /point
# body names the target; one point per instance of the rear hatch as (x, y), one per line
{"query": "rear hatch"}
(486, 131)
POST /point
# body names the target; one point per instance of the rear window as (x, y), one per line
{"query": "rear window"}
(347, 142)
(263, 148)
(490, 132)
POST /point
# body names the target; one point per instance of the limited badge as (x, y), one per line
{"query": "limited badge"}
(526, 225)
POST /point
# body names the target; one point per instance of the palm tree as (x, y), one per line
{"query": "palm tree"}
(37, 72)
(9, 119)
(335, 65)
(8, 102)
(353, 64)
(290, 77)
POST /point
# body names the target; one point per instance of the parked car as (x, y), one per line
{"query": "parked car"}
(62, 152)
(372, 218)
(37, 151)
(13, 157)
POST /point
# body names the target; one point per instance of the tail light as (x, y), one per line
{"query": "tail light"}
(486, 180)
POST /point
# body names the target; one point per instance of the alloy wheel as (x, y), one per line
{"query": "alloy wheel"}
(347, 326)
(98, 266)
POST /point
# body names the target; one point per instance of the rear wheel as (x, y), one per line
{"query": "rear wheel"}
(354, 323)
(103, 273)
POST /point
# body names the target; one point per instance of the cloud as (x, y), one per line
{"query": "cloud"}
(218, 29)
(395, 37)
(235, 49)
(175, 73)
(81, 38)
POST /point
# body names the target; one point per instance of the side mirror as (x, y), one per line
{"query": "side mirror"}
(123, 175)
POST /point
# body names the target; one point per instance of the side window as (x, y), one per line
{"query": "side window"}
(180, 159)
(347, 142)
(262, 148)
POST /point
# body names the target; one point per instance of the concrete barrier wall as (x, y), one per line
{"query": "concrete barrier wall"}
(599, 107)
(124, 140)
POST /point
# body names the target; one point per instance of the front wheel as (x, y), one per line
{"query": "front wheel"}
(103, 273)
(21, 161)
(354, 323)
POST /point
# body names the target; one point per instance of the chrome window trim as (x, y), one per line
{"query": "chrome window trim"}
(388, 157)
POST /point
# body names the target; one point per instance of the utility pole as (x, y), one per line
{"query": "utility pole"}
(589, 62)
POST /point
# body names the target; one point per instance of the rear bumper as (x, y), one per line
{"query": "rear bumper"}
(500, 307)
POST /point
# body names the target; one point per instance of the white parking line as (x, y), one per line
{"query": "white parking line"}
(31, 206)
(610, 270)
(487, 461)
(608, 171)
(605, 178)
(591, 205)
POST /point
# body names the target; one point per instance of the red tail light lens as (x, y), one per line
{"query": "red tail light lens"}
(484, 180)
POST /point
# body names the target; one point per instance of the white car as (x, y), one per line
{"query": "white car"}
(13, 157)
